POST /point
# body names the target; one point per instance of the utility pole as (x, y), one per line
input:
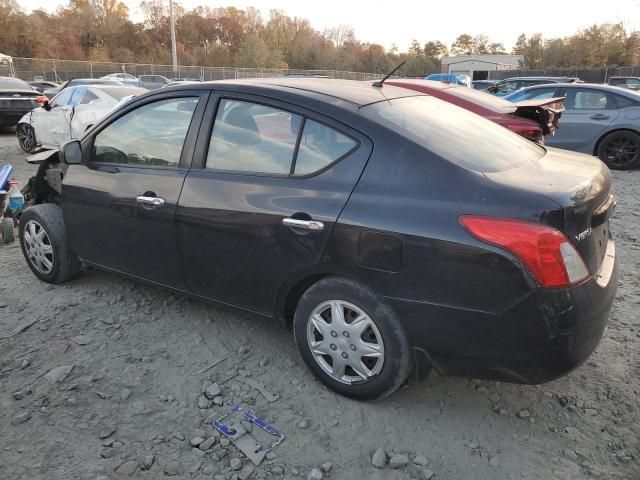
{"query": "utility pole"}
(174, 54)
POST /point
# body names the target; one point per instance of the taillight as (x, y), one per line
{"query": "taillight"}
(530, 132)
(40, 100)
(546, 252)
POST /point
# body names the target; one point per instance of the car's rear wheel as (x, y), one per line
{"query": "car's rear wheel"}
(350, 340)
(26, 137)
(620, 150)
(44, 243)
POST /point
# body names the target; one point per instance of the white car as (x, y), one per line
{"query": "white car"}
(69, 113)
(125, 78)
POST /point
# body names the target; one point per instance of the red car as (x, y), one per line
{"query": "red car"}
(533, 119)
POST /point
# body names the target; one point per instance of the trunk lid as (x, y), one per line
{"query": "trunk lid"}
(545, 112)
(581, 186)
(18, 99)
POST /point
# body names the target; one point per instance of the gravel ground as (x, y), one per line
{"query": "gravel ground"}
(108, 384)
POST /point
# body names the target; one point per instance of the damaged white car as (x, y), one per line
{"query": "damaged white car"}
(69, 114)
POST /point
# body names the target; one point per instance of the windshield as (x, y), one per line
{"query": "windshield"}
(455, 134)
(13, 84)
(516, 96)
(121, 92)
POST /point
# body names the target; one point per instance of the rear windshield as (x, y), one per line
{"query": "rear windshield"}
(13, 84)
(455, 134)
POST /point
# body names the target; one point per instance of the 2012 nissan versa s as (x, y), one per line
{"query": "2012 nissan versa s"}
(386, 227)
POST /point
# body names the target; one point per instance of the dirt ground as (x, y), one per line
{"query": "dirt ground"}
(136, 358)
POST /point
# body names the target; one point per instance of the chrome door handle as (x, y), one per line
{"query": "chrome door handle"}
(312, 225)
(150, 202)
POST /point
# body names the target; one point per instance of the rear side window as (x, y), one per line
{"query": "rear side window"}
(624, 102)
(320, 146)
(248, 137)
(455, 134)
(151, 135)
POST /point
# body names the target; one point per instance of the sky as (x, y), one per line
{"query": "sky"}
(398, 22)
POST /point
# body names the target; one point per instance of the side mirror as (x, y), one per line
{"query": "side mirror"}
(46, 105)
(71, 153)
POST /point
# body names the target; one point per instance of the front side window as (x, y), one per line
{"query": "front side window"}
(151, 135)
(249, 137)
(63, 98)
(320, 146)
(578, 99)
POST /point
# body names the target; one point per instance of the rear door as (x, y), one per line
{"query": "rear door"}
(119, 205)
(260, 203)
(588, 112)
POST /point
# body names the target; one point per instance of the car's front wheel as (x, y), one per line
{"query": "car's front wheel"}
(26, 137)
(620, 150)
(45, 246)
(350, 340)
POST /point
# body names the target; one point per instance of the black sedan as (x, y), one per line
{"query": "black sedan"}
(388, 229)
(16, 98)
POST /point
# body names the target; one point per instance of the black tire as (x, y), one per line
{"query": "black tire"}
(26, 137)
(8, 232)
(64, 262)
(397, 354)
(620, 150)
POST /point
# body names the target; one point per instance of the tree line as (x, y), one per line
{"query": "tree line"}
(102, 30)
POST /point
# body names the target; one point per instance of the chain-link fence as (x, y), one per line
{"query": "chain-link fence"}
(591, 75)
(61, 70)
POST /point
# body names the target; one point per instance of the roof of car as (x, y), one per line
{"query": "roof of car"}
(542, 77)
(353, 91)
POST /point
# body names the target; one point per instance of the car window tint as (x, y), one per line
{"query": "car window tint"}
(320, 146)
(455, 134)
(150, 135)
(249, 137)
(578, 99)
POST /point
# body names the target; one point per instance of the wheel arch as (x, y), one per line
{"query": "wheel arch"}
(294, 287)
(609, 132)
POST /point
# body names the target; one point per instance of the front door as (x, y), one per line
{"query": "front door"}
(271, 184)
(52, 126)
(587, 114)
(119, 206)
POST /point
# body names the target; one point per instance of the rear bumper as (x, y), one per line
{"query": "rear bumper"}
(9, 118)
(540, 338)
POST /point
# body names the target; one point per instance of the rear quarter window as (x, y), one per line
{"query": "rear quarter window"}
(455, 134)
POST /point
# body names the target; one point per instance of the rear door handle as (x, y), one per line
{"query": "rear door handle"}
(599, 116)
(150, 202)
(312, 225)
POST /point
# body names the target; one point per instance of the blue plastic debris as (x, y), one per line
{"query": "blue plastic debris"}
(242, 438)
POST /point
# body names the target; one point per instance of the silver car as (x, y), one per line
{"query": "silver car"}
(598, 119)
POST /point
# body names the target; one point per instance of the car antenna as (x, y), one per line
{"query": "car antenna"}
(379, 83)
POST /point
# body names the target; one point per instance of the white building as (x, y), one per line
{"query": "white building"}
(479, 66)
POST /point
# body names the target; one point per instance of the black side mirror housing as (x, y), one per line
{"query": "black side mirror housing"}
(46, 105)
(71, 153)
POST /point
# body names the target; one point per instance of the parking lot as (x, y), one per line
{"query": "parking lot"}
(137, 357)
